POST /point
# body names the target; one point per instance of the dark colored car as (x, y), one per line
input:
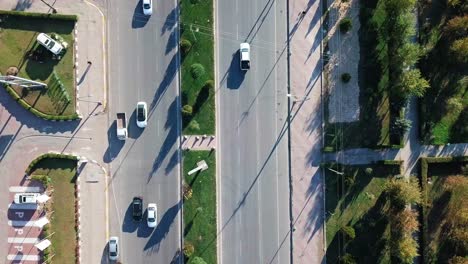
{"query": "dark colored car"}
(137, 206)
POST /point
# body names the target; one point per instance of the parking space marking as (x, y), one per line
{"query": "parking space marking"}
(23, 240)
(21, 223)
(23, 257)
(21, 189)
(22, 206)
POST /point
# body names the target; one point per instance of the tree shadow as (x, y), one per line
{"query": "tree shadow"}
(129, 225)
(201, 98)
(114, 145)
(163, 227)
(22, 5)
(171, 20)
(168, 78)
(139, 20)
(133, 130)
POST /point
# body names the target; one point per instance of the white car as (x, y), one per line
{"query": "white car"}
(141, 114)
(148, 7)
(244, 56)
(23, 198)
(113, 248)
(50, 44)
(152, 215)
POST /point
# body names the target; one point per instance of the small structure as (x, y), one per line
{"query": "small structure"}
(43, 244)
(42, 198)
(41, 222)
(201, 166)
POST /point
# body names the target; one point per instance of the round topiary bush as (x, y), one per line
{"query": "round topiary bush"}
(185, 46)
(346, 24)
(345, 77)
(187, 110)
(369, 171)
(348, 232)
(209, 84)
(188, 249)
(197, 70)
(193, 125)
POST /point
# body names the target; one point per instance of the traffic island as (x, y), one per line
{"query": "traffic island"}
(21, 50)
(58, 173)
(199, 210)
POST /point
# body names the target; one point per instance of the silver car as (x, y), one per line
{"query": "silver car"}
(113, 248)
(152, 215)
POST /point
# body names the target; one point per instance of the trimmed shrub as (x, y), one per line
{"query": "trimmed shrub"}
(209, 84)
(348, 232)
(328, 149)
(197, 260)
(345, 77)
(346, 25)
(193, 125)
(44, 179)
(188, 249)
(185, 46)
(39, 15)
(187, 191)
(187, 110)
(48, 155)
(197, 70)
(369, 171)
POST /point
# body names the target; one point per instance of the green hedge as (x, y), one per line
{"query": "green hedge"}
(390, 162)
(36, 112)
(49, 155)
(39, 15)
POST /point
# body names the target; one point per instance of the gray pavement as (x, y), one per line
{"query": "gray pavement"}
(25, 136)
(306, 132)
(143, 66)
(253, 182)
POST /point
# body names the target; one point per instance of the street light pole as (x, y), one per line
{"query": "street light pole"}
(297, 98)
(53, 9)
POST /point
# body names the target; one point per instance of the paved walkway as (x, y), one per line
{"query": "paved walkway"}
(24, 136)
(306, 121)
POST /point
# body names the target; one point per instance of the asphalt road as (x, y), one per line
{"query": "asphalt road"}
(144, 67)
(252, 133)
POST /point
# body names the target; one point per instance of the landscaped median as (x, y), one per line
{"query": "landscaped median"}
(23, 56)
(197, 67)
(58, 172)
(199, 208)
(445, 205)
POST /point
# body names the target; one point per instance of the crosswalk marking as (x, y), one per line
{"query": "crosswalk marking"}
(21, 189)
(23, 240)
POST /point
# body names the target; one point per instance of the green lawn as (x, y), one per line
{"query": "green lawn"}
(62, 173)
(441, 121)
(17, 39)
(197, 27)
(354, 199)
(200, 210)
(445, 196)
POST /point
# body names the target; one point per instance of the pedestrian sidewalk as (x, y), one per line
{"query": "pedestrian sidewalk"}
(199, 142)
(306, 125)
(88, 138)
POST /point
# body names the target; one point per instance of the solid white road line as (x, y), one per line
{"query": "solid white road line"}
(22, 206)
(21, 223)
(20, 189)
(23, 240)
(23, 257)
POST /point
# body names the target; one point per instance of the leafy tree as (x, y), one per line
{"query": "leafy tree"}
(193, 125)
(460, 49)
(185, 46)
(413, 83)
(187, 110)
(406, 221)
(348, 232)
(458, 260)
(188, 249)
(197, 70)
(347, 259)
(346, 24)
(401, 126)
(401, 192)
(197, 260)
(455, 104)
(407, 249)
(345, 77)
(457, 26)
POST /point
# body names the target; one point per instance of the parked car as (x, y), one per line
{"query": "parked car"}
(113, 248)
(142, 114)
(244, 56)
(52, 45)
(148, 7)
(137, 206)
(24, 198)
(152, 215)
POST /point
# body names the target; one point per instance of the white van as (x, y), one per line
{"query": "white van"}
(23, 198)
(52, 45)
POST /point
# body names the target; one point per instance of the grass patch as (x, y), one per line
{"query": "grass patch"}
(18, 39)
(197, 28)
(200, 209)
(445, 192)
(442, 121)
(62, 173)
(355, 199)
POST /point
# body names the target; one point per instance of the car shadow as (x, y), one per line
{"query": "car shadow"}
(139, 20)
(235, 76)
(105, 254)
(163, 227)
(143, 229)
(114, 146)
(128, 224)
(133, 130)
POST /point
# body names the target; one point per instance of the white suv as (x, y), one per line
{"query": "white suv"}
(113, 248)
(23, 198)
(244, 56)
(152, 215)
(141, 114)
(50, 44)
(148, 7)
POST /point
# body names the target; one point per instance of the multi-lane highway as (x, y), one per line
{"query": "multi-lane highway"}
(143, 66)
(253, 183)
